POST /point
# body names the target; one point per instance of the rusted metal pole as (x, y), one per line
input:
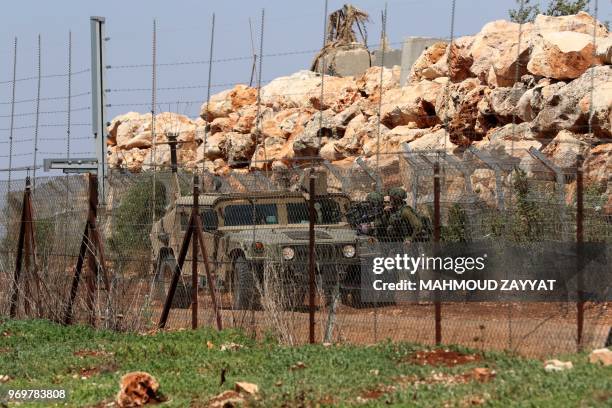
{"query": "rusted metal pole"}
(77, 277)
(436, 225)
(209, 276)
(19, 258)
(195, 215)
(177, 273)
(311, 259)
(579, 241)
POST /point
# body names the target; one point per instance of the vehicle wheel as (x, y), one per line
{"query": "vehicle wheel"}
(244, 292)
(165, 270)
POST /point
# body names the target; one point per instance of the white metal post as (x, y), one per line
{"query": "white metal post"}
(98, 101)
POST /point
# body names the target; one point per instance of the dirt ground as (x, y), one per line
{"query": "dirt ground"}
(532, 329)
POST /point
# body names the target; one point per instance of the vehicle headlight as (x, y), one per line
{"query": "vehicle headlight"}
(348, 251)
(288, 253)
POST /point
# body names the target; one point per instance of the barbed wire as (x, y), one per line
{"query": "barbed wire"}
(48, 76)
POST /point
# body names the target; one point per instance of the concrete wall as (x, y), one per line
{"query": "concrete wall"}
(411, 50)
(392, 57)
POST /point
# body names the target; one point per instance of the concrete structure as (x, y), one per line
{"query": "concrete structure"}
(392, 57)
(346, 60)
(412, 48)
(353, 59)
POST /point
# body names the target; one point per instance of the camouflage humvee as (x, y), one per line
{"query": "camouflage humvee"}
(250, 236)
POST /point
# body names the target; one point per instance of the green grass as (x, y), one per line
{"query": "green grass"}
(39, 354)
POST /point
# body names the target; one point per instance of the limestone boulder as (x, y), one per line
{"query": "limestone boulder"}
(369, 81)
(568, 106)
(415, 103)
(240, 148)
(426, 67)
(510, 140)
(291, 91)
(273, 150)
(228, 101)
(495, 44)
(598, 164)
(338, 94)
(437, 140)
(582, 22)
(603, 52)
(561, 55)
(215, 147)
(564, 148)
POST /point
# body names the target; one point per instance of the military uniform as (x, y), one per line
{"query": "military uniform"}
(404, 222)
(377, 227)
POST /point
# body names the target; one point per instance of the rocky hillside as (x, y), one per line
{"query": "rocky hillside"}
(456, 96)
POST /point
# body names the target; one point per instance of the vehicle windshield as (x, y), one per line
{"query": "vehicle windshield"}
(327, 212)
(243, 214)
(209, 219)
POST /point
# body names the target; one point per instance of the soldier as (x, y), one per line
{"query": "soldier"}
(404, 222)
(378, 220)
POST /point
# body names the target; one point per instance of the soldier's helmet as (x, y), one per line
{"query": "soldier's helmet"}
(375, 198)
(398, 194)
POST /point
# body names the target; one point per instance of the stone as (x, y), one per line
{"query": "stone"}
(247, 388)
(228, 101)
(411, 104)
(551, 366)
(137, 389)
(291, 91)
(425, 66)
(598, 164)
(214, 148)
(513, 140)
(274, 149)
(561, 55)
(240, 149)
(603, 52)
(369, 81)
(582, 22)
(466, 126)
(438, 140)
(566, 106)
(496, 44)
(601, 356)
(338, 94)
(564, 149)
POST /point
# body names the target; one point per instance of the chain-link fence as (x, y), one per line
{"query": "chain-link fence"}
(255, 233)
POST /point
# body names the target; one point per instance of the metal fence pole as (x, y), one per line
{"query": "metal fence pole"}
(195, 211)
(311, 260)
(579, 240)
(12, 128)
(436, 225)
(37, 117)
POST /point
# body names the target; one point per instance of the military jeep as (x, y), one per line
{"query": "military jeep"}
(249, 236)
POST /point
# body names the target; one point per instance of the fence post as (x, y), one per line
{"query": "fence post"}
(311, 258)
(436, 225)
(20, 248)
(195, 211)
(579, 241)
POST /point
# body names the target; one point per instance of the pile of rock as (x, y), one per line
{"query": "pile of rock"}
(487, 90)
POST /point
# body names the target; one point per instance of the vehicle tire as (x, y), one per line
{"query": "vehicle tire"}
(163, 277)
(244, 292)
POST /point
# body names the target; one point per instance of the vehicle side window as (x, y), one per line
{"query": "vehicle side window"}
(209, 219)
(242, 214)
